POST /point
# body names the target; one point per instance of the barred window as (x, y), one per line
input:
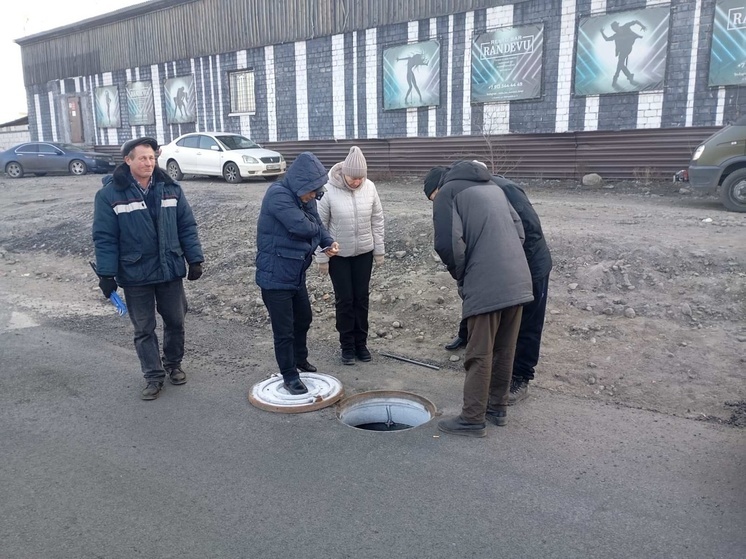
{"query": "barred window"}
(242, 92)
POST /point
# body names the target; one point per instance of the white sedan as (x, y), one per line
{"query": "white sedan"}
(232, 156)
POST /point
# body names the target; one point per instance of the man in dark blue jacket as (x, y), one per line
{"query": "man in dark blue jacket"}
(288, 232)
(532, 321)
(143, 230)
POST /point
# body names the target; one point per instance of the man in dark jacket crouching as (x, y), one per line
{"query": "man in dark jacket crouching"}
(532, 320)
(479, 236)
(143, 230)
(288, 232)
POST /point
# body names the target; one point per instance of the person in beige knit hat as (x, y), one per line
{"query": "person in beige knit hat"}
(352, 212)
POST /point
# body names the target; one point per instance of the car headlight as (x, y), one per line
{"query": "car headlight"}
(249, 159)
(698, 152)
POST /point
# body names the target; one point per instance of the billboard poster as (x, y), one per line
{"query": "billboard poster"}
(728, 53)
(411, 75)
(140, 107)
(107, 106)
(622, 52)
(181, 101)
(506, 64)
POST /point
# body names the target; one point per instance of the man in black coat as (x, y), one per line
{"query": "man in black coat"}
(532, 321)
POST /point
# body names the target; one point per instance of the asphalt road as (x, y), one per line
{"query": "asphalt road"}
(88, 470)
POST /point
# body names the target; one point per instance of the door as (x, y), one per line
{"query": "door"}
(76, 120)
(185, 154)
(51, 159)
(209, 157)
(28, 156)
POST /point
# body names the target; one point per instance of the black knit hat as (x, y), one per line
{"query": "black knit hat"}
(129, 145)
(433, 180)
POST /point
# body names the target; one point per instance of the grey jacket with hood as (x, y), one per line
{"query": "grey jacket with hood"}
(479, 236)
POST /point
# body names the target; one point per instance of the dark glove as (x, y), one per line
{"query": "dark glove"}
(195, 271)
(107, 285)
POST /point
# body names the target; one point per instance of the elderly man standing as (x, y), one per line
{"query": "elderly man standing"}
(143, 231)
(479, 236)
(288, 232)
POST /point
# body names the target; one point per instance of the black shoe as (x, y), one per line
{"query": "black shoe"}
(457, 426)
(295, 386)
(306, 367)
(151, 391)
(499, 418)
(363, 354)
(457, 343)
(518, 391)
(348, 357)
(176, 375)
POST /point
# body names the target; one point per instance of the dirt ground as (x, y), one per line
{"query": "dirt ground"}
(646, 302)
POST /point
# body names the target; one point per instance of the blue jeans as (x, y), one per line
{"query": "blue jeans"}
(169, 300)
(290, 314)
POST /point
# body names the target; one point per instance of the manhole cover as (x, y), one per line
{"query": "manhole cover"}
(385, 410)
(271, 395)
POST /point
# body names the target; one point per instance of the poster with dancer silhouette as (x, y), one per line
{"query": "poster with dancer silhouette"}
(506, 64)
(140, 109)
(728, 53)
(107, 107)
(411, 75)
(181, 102)
(622, 52)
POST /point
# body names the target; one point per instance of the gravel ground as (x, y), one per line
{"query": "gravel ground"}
(646, 300)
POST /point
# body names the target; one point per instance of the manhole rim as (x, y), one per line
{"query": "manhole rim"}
(346, 403)
(300, 408)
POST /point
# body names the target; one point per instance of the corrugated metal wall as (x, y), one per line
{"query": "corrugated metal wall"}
(626, 154)
(167, 30)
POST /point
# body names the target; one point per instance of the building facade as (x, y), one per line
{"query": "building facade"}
(343, 72)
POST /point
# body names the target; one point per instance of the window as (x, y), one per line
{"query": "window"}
(205, 142)
(28, 148)
(237, 142)
(242, 92)
(189, 142)
(46, 148)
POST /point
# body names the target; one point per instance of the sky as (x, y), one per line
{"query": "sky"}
(27, 17)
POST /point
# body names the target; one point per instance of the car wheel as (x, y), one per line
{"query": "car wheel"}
(231, 173)
(14, 170)
(271, 178)
(78, 167)
(174, 171)
(733, 191)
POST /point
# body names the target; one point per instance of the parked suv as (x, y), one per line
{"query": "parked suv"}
(721, 162)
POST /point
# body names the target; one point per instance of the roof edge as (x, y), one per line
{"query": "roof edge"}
(148, 6)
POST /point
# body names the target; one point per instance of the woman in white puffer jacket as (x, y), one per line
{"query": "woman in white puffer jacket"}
(352, 213)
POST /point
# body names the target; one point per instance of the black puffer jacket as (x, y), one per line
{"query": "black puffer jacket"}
(535, 246)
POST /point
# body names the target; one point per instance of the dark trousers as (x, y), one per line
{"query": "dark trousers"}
(169, 300)
(290, 314)
(529, 336)
(351, 281)
(488, 362)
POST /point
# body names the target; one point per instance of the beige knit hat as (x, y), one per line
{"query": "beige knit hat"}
(354, 165)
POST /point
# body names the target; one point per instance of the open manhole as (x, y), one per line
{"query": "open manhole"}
(271, 395)
(385, 410)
